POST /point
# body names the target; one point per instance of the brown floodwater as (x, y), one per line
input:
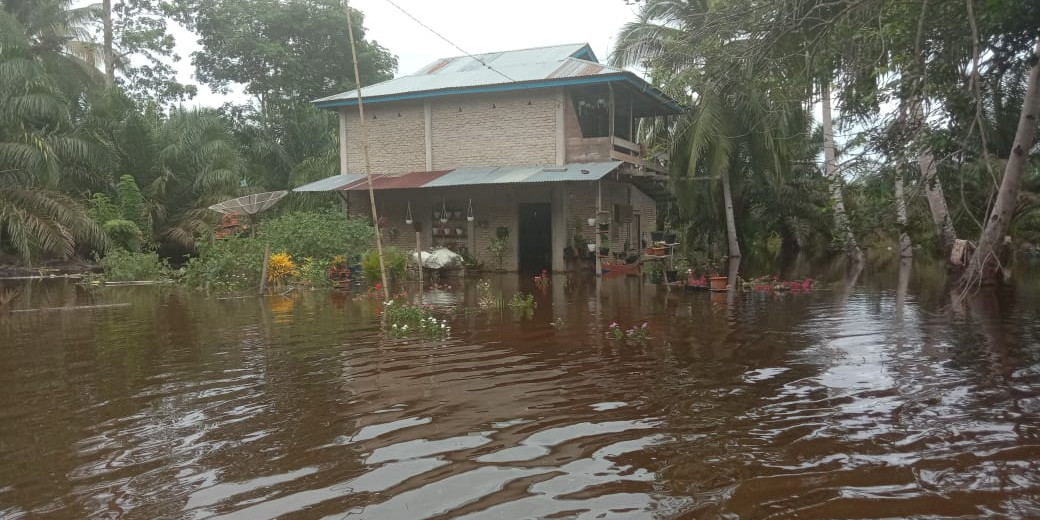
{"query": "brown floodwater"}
(878, 399)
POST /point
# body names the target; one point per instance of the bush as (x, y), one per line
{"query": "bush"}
(126, 266)
(231, 264)
(315, 273)
(396, 264)
(321, 235)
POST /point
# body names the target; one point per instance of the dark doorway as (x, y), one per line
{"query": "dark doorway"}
(534, 239)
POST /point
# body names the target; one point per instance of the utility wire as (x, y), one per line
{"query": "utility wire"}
(439, 35)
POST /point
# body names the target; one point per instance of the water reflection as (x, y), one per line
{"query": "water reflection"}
(865, 399)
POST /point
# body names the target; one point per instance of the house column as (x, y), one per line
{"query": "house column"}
(428, 133)
(558, 210)
(561, 138)
(344, 165)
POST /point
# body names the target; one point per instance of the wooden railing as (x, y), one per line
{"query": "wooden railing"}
(596, 149)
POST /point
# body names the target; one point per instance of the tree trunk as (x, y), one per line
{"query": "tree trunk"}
(986, 267)
(110, 65)
(731, 226)
(906, 247)
(933, 189)
(841, 220)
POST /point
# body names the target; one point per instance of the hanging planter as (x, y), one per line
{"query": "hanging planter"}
(444, 212)
(592, 247)
(592, 221)
(408, 214)
(469, 211)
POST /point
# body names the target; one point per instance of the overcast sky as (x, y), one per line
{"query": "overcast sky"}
(477, 26)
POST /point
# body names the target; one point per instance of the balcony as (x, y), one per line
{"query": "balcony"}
(598, 149)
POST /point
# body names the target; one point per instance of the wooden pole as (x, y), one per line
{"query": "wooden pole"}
(364, 153)
(263, 272)
(418, 258)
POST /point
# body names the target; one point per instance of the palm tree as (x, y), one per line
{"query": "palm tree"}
(38, 155)
(745, 122)
(198, 165)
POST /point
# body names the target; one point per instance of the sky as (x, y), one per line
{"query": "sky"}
(477, 26)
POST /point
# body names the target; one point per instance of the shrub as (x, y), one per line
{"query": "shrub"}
(225, 265)
(315, 272)
(396, 264)
(280, 267)
(126, 266)
(317, 234)
(407, 319)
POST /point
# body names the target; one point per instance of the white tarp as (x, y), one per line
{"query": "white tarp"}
(440, 258)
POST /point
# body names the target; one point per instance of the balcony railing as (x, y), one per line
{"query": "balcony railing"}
(597, 149)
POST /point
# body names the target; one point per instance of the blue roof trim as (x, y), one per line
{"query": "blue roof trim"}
(585, 53)
(626, 76)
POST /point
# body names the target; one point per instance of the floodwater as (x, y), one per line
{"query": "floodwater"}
(878, 399)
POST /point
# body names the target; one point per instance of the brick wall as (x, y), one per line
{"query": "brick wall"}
(495, 129)
(582, 205)
(495, 206)
(396, 138)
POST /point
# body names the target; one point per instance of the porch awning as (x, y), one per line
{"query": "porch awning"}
(469, 176)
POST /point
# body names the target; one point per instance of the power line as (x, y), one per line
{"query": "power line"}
(439, 35)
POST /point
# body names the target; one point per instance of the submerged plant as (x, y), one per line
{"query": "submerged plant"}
(487, 297)
(407, 319)
(635, 334)
(523, 303)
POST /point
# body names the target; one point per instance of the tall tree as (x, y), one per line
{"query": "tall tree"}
(291, 51)
(986, 266)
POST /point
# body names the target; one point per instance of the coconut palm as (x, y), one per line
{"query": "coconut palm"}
(745, 124)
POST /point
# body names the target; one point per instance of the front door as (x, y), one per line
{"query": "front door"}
(535, 237)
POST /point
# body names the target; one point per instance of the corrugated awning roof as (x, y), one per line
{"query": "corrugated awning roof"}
(469, 176)
(330, 183)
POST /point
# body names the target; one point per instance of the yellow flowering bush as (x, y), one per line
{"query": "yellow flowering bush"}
(280, 267)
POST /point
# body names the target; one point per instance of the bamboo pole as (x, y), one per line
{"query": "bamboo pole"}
(263, 271)
(364, 153)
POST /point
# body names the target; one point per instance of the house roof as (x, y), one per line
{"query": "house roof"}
(541, 67)
(467, 176)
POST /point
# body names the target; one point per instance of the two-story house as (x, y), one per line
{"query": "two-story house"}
(528, 144)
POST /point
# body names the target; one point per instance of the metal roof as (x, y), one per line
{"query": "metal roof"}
(471, 176)
(330, 183)
(510, 70)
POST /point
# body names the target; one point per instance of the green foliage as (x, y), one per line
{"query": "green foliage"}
(523, 304)
(320, 234)
(124, 266)
(315, 272)
(289, 50)
(228, 265)
(408, 319)
(396, 264)
(499, 245)
(488, 297)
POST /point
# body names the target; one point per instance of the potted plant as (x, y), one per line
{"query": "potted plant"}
(718, 283)
(604, 251)
(669, 236)
(604, 226)
(657, 236)
(671, 275)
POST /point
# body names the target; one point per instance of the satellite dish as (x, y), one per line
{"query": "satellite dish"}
(250, 205)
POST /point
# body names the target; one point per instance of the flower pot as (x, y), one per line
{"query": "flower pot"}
(604, 251)
(436, 231)
(469, 218)
(672, 275)
(408, 221)
(459, 231)
(592, 221)
(592, 248)
(669, 237)
(717, 283)
(604, 227)
(657, 236)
